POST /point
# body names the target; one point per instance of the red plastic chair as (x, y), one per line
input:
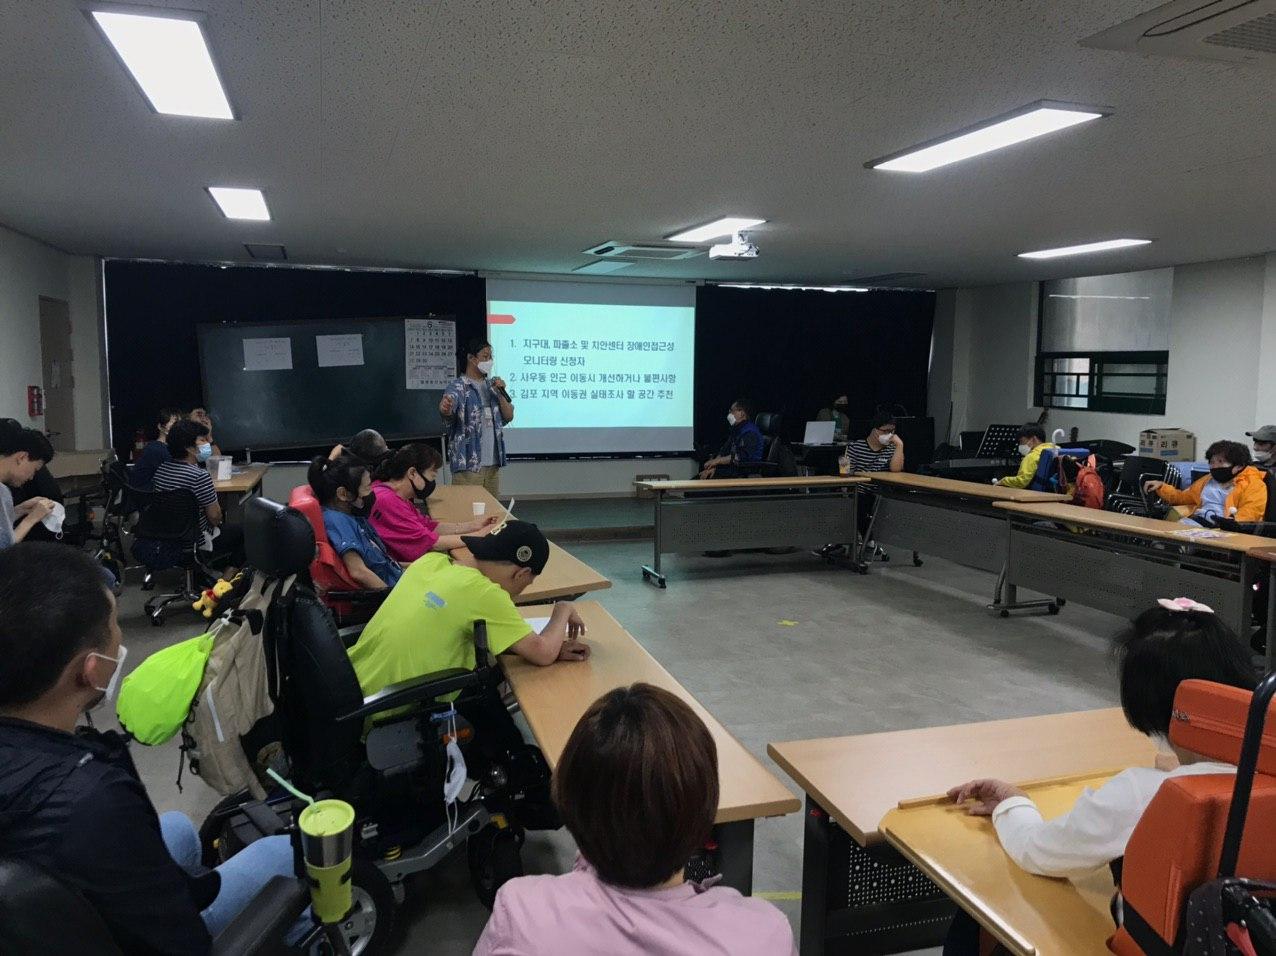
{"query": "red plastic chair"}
(348, 602)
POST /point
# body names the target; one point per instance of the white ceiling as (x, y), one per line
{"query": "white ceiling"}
(506, 135)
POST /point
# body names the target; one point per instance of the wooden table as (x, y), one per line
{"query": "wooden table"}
(554, 698)
(244, 480)
(739, 513)
(1122, 563)
(565, 576)
(949, 519)
(853, 782)
(1027, 914)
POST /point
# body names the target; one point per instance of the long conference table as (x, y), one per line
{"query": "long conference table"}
(564, 577)
(738, 513)
(554, 698)
(1122, 563)
(860, 895)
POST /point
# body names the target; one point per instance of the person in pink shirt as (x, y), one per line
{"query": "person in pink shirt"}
(405, 477)
(637, 786)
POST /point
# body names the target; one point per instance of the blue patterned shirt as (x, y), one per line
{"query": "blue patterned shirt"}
(465, 427)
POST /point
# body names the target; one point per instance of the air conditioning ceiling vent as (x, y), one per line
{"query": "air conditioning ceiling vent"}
(635, 250)
(1229, 31)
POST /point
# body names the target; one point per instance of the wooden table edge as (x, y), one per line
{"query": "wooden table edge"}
(565, 591)
(859, 836)
(946, 882)
(776, 807)
(734, 484)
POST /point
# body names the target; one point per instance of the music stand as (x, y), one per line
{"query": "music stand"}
(999, 441)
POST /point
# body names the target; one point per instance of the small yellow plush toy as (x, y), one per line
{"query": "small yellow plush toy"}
(207, 603)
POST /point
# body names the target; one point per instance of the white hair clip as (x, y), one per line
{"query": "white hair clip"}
(1183, 605)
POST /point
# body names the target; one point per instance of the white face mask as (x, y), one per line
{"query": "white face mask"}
(1262, 457)
(485, 367)
(1025, 450)
(886, 437)
(730, 418)
(108, 692)
(53, 520)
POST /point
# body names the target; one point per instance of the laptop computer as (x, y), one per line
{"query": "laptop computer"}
(819, 433)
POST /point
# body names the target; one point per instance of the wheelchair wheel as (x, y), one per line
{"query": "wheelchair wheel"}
(496, 857)
(370, 923)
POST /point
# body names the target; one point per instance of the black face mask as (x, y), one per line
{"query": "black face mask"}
(1222, 475)
(425, 490)
(362, 507)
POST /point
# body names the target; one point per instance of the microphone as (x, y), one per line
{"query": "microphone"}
(504, 394)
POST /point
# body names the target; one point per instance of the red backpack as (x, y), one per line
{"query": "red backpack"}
(1088, 490)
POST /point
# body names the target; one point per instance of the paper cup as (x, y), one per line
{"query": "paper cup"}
(480, 507)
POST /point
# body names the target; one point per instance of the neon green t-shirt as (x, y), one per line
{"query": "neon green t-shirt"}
(427, 623)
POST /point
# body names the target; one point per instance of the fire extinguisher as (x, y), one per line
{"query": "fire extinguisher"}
(139, 442)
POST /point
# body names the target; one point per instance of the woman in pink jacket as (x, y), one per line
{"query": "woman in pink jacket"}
(637, 786)
(404, 478)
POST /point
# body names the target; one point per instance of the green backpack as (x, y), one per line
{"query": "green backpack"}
(156, 698)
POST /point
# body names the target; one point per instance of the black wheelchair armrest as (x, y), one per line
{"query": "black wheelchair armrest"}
(416, 690)
(1265, 528)
(261, 927)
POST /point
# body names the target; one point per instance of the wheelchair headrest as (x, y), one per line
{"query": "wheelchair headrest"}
(38, 911)
(768, 423)
(278, 540)
(1209, 719)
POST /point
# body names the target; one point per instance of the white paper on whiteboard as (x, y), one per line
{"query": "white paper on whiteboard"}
(267, 355)
(336, 350)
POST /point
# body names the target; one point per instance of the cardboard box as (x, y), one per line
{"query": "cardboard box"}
(1168, 444)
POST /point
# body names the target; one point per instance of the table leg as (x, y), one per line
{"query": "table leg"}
(815, 880)
(862, 557)
(651, 572)
(735, 854)
(1271, 617)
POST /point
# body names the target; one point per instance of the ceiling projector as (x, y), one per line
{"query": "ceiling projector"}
(738, 248)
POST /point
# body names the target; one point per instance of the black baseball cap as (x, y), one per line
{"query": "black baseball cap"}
(518, 542)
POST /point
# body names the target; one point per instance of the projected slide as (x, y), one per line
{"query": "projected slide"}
(609, 375)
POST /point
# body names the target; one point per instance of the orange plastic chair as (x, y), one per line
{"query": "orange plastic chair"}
(1195, 828)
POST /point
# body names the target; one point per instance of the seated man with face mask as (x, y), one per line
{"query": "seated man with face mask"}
(71, 800)
(1032, 442)
(1264, 446)
(427, 622)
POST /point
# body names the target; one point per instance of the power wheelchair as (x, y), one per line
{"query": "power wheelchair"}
(385, 755)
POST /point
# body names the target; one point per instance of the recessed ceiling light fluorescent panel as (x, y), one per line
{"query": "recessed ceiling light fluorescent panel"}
(1104, 246)
(236, 203)
(169, 58)
(727, 226)
(1028, 122)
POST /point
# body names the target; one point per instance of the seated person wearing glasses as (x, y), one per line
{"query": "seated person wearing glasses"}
(189, 450)
(71, 800)
(637, 787)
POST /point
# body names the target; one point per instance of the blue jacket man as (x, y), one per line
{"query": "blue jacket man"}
(744, 444)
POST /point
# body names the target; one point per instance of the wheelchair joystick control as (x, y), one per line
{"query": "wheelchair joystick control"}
(327, 843)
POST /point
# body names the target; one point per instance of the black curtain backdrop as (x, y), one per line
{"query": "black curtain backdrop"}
(152, 310)
(794, 351)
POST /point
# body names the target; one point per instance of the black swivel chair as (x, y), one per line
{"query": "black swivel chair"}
(777, 458)
(168, 535)
(1129, 496)
(39, 913)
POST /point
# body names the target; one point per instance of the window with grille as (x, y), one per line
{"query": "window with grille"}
(1132, 382)
(1103, 342)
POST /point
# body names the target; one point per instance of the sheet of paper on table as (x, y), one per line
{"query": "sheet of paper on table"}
(537, 624)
